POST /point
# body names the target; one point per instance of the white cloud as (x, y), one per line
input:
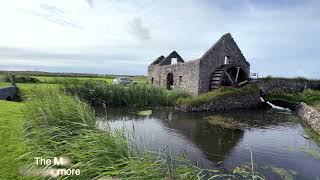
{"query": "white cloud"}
(275, 39)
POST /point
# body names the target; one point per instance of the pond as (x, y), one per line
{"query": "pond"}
(277, 139)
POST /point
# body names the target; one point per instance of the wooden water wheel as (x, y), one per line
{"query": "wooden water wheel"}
(227, 75)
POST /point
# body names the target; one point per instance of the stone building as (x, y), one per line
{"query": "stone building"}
(222, 65)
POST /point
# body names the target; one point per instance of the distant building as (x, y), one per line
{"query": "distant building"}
(222, 65)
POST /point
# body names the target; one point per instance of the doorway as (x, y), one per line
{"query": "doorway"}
(169, 81)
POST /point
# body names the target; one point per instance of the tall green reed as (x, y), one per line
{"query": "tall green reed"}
(119, 95)
(60, 125)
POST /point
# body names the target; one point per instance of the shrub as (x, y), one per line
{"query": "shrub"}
(20, 79)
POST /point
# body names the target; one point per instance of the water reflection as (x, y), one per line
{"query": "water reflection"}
(215, 141)
(275, 138)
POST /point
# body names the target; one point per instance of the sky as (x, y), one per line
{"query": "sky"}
(277, 37)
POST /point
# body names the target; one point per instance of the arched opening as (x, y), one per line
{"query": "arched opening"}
(152, 80)
(8, 98)
(169, 81)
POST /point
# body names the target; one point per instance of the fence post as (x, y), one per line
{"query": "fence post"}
(13, 79)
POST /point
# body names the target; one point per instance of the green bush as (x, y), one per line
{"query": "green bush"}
(21, 79)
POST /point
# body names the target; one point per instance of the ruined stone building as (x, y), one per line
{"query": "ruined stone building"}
(222, 65)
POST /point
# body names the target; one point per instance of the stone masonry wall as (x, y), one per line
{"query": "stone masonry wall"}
(189, 72)
(281, 86)
(243, 101)
(310, 116)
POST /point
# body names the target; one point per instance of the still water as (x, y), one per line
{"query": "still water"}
(278, 140)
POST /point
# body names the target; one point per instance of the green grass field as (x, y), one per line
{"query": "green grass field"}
(12, 145)
(107, 79)
(57, 79)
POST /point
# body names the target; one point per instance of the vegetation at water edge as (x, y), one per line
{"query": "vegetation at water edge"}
(129, 96)
(216, 94)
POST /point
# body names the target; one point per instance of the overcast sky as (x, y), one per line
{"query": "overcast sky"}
(278, 37)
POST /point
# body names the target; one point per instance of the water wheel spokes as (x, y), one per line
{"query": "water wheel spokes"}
(242, 83)
(229, 77)
(237, 75)
(233, 76)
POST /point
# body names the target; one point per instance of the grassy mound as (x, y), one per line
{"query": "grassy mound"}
(216, 94)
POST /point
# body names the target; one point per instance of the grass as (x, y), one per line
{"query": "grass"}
(314, 135)
(145, 113)
(4, 84)
(129, 96)
(299, 78)
(63, 78)
(75, 79)
(12, 145)
(282, 173)
(60, 125)
(225, 122)
(216, 94)
(310, 97)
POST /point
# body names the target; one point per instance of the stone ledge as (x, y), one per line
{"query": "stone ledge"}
(226, 103)
(309, 115)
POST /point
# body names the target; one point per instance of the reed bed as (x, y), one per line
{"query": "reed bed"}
(129, 96)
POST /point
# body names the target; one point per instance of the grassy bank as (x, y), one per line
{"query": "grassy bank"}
(310, 97)
(129, 96)
(216, 94)
(59, 125)
(12, 145)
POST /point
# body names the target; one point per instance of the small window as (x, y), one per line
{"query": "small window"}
(180, 78)
(226, 59)
(152, 80)
(174, 60)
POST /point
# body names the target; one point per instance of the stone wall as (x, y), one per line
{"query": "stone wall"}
(185, 75)
(281, 86)
(196, 75)
(310, 116)
(226, 103)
